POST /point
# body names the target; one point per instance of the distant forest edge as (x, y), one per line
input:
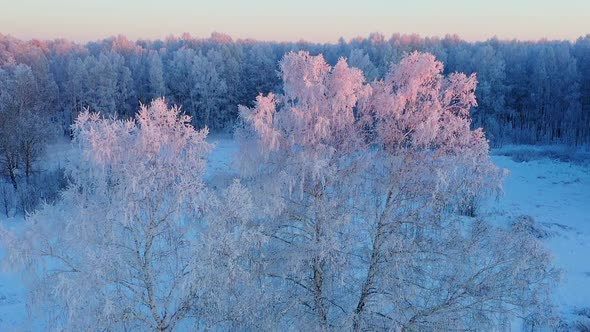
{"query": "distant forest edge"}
(528, 92)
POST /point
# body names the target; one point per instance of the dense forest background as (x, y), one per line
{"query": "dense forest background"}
(528, 92)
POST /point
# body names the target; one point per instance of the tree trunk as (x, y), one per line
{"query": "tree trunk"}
(368, 285)
(11, 168)
(318, 288)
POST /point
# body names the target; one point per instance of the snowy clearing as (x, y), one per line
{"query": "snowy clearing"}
(557, 196)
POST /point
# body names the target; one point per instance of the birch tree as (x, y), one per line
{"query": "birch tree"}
(364, 189)
(129, 247)
(305, 139)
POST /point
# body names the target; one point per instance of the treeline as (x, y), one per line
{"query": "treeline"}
(528, 92)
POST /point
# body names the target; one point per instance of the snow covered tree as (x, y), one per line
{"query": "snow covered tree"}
(9, 147)
(228, 59)
(179, 79)
(75, 97)
(125, 95)
(157, 85)
(134, 244)
(297, 147)
(24, 127)
(490, 111)
(101, 84)
(363, 188)
(20, 91)
(582, 54)
(209, 92)
(259, 72)
(429, 168)
(361, 60)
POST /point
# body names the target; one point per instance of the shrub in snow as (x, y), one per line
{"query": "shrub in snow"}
(583, 323)
(43, 187)
(38, 188)
(527, 224)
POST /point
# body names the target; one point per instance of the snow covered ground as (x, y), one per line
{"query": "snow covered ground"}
(556, 194)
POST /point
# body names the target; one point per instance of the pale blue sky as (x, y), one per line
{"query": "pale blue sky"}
(313, 20)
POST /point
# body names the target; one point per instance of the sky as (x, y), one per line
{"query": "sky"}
(293, 20)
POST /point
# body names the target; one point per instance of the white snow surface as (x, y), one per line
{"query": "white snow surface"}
(556, 194)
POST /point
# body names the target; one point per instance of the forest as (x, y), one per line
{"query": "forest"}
(528, 92)
(355, 199)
